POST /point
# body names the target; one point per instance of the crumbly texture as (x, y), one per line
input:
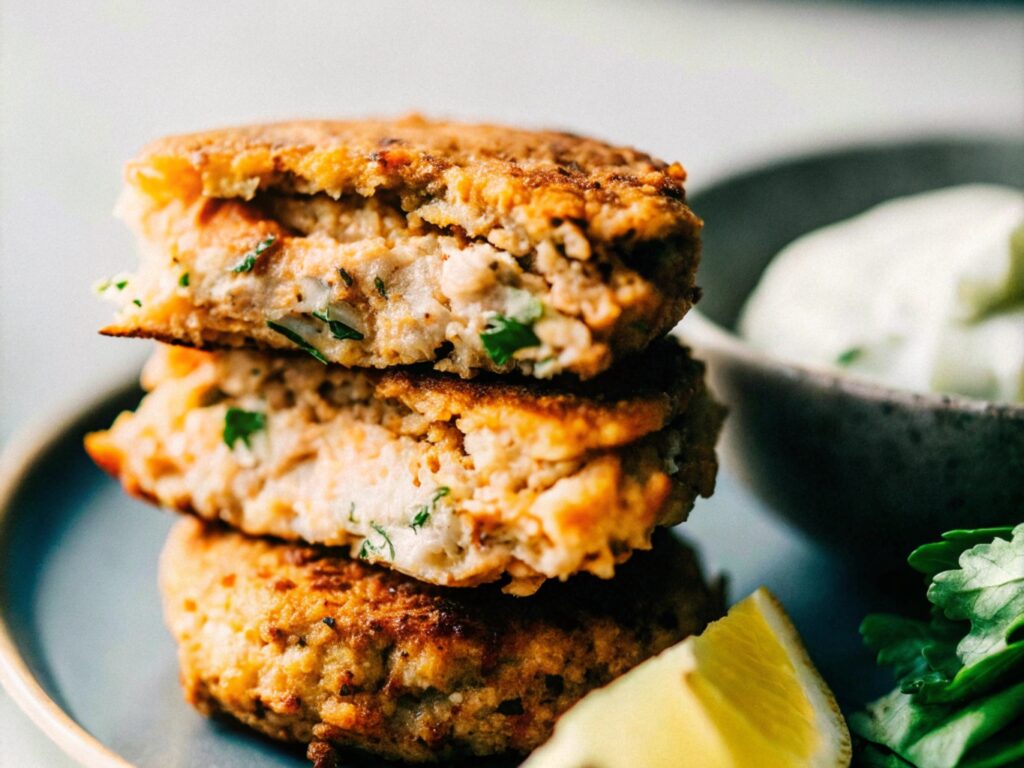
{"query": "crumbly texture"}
(419, 236)
(454, 482)
(304, 644)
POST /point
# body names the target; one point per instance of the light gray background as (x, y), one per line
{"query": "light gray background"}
(718, 86)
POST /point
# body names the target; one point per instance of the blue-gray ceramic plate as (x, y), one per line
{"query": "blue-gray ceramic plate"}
(84, 652)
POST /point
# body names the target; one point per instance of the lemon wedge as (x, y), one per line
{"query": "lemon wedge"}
(743, 693)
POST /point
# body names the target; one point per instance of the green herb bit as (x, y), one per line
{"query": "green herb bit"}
(387, 539)
(104, 285)
(369, 547)
(345, 276)
(183, 280)
(240, 425)
(249, 259)
(381, 288)
(338, 329)
(849, 356)
(136, 302)
(420, 518)
(504, 336)
(424, 511)
(352, 512)
(297, 340)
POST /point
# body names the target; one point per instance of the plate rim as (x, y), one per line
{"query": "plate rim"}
(22, 452)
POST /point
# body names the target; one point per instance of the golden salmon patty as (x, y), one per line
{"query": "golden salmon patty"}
(305, 644)
(383, 243)
(451, 481)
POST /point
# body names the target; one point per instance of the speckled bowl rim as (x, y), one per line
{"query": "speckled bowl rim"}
(22, 452)
(700, 331)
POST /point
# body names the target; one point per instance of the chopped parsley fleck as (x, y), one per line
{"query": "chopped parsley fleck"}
(369, 547)
(424, 511)
(240, 425)
(345, 276)
(420, 518)
(136, 302)
(249, 259)
(183, 280)
(381, 288)
(849, 356)
(297, 340)
(338, 329)
(352, 512)
(504, 336)
(103, 285)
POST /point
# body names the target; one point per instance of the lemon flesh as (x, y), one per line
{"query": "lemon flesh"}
(743, 693)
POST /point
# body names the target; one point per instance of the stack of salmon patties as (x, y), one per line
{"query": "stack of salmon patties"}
(415, 391)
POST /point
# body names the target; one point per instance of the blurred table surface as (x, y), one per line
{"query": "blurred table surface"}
(718, 86)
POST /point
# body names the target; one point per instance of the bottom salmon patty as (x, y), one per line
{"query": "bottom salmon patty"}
(308, 645)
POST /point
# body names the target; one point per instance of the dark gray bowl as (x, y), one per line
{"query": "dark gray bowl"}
(869, 470)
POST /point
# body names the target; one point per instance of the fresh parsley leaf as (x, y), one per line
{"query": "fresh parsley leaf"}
(183, 280)
(240, 425)
(504, 336)
(849, 356)
(297, 340)
(249, 259)
(987, 590)
(381, 288)
(338, 329)
(136, 302)
(345, 276)
(121, 284)
(960, 695)
(944, 555)
(937, 735)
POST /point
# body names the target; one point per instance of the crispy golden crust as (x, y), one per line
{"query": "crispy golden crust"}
(535, 482)
(306, 645)
(538, 178)
(418, 235)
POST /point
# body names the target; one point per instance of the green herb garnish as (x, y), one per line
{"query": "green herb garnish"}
(249, 259)
(297, 340)
(381, 289)
(136, 302)
(369, 547)
(959, 699)
(345, 276)
(424, 511)
(102, 286)
(338, 329)
(849, 356)
(183, 280)
(240, 425)
(504, 336)
(352, 512)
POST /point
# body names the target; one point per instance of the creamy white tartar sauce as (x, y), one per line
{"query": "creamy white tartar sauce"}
(923, 292)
